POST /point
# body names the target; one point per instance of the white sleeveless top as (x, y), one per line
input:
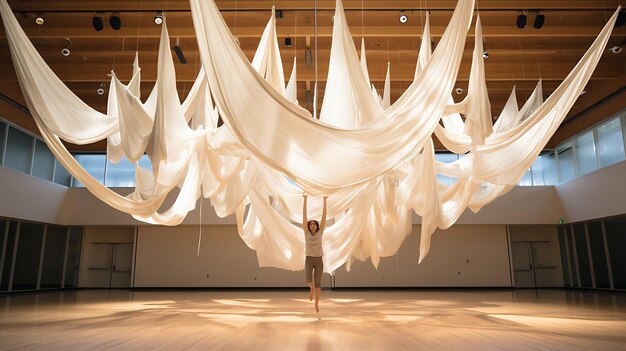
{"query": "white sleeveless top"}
(314, 244)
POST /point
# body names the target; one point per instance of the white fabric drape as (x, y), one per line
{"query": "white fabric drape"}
(375, 159)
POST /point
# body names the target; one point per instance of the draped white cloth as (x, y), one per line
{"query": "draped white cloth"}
(375, 159)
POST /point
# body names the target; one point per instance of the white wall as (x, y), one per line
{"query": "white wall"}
(460, 256)
(599, 194)
(167, 257)
(30, 198)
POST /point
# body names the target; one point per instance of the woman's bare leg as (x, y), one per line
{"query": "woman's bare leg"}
(318, 291)
(310, 284)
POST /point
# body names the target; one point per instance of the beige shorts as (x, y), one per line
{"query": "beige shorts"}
(317, 264)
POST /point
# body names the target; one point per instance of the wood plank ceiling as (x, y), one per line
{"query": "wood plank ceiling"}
(517, 57)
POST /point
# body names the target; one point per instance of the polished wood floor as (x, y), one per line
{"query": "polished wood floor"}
(286, 320)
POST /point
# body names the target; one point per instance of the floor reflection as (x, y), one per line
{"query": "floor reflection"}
(279, 320)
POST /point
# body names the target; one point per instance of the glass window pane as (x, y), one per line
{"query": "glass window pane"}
(564, 261)
(572, 255)
(616, 241)
(73, 257)
(61, 175)
(610, 142)
(28, 255)
(93, 164)
(586, 153)
(548, 169)
(583, 255)
(537, 171)
(53, 257)
(3, 128)
(527, 179)
(3, 227)
(121, 174)
(43, 165)
(8, 256)
(19, 151)
(598, 255)
(566, 162)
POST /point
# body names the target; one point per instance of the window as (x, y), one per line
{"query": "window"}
(43, 165)
(3, 131)
(610, 142)
(61, 175)
(19, 151)
(121, 174)
(566, 162)
(585, 154)
(94, 164)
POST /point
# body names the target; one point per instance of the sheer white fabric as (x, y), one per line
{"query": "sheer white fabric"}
(375, 159)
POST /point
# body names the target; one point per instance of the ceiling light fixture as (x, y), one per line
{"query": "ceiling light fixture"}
(97, 23)
(539, 21)
(158, 19)
(403, 17)
(485, 54)
(288, 42)
(66, 47)
(179, 52)
(100, 89)
(459, 91)
(521, 21)
(616, 49)
(279, 13)
(115, 21)
(40, 20)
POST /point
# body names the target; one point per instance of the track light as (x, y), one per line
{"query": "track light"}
(158, 19)
(616, 49)
(115, 21)
(539, 21)
(403, 17)
(521, 21)
(40, 20)
(100, 89)
(485, 54)
(288, 42)
(97, 23)
(179, 52)
(66, 47)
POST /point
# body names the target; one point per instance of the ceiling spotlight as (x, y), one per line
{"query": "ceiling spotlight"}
(66, 49)
(40, 20)
(100, 89)
(521, 21)
(288, 42)
(616, 49)
(158, 19)
(403, 17)
(179, 52)
(539, 21)
(97, 23)
(115, 21)
(279, 13)
(459, 91)
(485, 54)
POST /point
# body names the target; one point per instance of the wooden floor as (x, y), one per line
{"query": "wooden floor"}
(285, 320)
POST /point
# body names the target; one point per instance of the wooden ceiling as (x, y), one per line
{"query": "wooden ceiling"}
(517, 57)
